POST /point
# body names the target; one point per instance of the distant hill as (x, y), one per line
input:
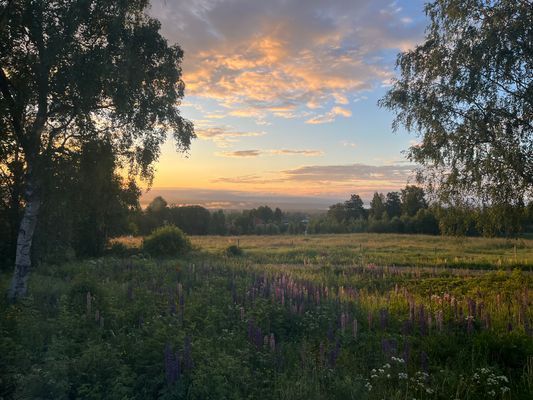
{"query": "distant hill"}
(235, 200)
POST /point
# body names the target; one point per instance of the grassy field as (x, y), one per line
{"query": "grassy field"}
(379, 249)
(317, 317)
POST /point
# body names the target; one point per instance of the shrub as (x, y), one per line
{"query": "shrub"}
(233, 251)
(167, 241)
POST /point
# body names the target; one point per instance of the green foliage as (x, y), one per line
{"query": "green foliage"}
(377, 206)
(467, 90)
(393, 205)
(167, 241)
(233, 251)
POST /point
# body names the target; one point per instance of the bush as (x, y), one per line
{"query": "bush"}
(233, 251)
(166, 241)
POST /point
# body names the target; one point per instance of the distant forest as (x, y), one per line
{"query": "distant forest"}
(407, 211)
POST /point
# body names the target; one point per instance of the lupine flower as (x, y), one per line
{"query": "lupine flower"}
(89, 300)
(383, 318)
(187, 354)
(272, 342)
(424, 362)
(334, 354)
(171, 362)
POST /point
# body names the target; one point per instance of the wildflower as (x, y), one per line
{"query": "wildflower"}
(402, 375)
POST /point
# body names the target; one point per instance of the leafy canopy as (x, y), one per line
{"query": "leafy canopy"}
(75, 70)
(468, 91)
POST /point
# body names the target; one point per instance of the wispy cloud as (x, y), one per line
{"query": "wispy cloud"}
(350, 173)
(330, 116)
(240, 153)
(332, 179)
(273, 152)
(346, 143)
(224, 136)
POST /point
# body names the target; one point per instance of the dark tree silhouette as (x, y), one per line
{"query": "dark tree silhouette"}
(78, 71)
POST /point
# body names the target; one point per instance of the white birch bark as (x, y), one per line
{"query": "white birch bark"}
(19, 282)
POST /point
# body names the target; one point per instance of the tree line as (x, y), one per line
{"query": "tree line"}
(405, 211)
(408, 211)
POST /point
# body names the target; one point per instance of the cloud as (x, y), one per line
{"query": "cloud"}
(330, 116)
(240, 153)
(253, 56)
(392, 174)
(346, 143)
(331, 179)
(223, 136)
(307, 153)
(274, 152)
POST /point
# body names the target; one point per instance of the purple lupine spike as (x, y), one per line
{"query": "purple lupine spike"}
(170, 365)
(334, 354)
(439, 317)
(471, 307)
(354, 328)
(177, 365)
(406, 352)
(331, 335)
(172, 306)
(424, 362)
(385, 349)
(407, 327)
(383, 318)
(321, 353)
(258, 338)
(272, 343)
(187, 354)
(469, 324)
(422, 321)
(487, 321)
(89, 302)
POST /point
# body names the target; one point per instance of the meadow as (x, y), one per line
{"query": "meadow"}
(360, 316)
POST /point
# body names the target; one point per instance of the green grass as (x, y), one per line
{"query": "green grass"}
(380, 249)
(112, 328)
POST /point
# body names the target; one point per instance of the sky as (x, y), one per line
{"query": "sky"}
(283, 95)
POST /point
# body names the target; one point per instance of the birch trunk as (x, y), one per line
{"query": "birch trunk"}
(19, 282)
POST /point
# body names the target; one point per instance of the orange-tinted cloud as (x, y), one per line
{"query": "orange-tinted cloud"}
(223, 136)
(254, 57)
(275, 152)
(329, 179)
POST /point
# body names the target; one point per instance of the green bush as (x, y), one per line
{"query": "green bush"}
(233, 251)
(166, 241)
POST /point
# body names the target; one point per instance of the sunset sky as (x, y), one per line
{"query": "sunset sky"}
(283, 95)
